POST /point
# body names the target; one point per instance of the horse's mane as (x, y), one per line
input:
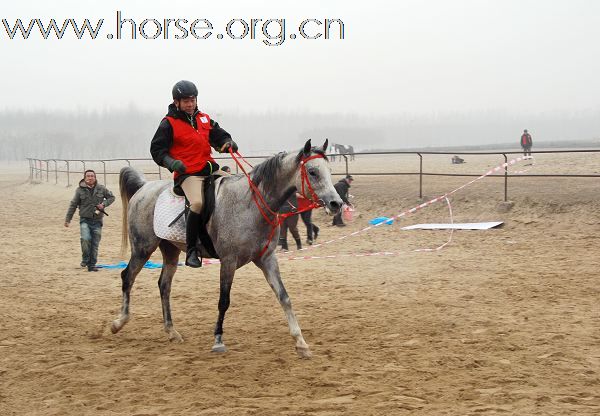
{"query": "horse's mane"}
(267, 171)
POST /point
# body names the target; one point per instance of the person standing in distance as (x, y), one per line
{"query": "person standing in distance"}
(526, 143)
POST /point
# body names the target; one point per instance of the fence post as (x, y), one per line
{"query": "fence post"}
(159, 174)
(104, 167)
(55, 171)
(420, 175)
(505, 177)
(68, 174)
(346, 160)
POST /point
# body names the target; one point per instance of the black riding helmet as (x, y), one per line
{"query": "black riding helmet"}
(184, 89)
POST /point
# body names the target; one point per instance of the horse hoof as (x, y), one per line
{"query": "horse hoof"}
(219, 348)
(115, 326)
(304, 352)
(174, 336)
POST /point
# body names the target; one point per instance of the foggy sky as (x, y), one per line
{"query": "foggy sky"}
(418, 56)
(424, 59)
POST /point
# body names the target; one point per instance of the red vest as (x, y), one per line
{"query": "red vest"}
(191, 146)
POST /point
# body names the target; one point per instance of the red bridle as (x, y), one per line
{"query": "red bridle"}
(264, 208)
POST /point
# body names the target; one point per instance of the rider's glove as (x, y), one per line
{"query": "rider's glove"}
(174, 164)
(178, 166)
(230, 144)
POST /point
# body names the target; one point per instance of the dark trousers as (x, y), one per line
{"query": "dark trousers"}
(526, 150)
(337, 218)
(290, 223)
(311, 229)
(91, 233)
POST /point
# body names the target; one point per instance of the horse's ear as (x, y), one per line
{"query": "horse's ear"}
(307, 147)
(325, 145)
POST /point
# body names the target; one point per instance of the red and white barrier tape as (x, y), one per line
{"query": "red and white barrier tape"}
(532, 164)
(451, 232)
(286, 254)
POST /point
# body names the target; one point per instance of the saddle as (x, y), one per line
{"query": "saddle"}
(172, 208)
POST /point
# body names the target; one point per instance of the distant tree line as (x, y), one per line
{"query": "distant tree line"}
(119, 133)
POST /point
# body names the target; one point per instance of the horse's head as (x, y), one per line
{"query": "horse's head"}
(314, 180)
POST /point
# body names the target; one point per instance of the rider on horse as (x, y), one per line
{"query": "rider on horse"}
(182, 143)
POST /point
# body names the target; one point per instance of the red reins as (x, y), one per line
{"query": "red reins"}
(262, 205)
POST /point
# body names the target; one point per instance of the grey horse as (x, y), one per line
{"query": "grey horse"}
(239, 231)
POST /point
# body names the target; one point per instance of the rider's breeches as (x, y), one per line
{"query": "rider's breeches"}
(192, 187)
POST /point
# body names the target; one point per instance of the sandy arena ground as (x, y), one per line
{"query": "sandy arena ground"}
(504, 321)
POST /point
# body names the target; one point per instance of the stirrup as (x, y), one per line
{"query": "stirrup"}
(191, 258)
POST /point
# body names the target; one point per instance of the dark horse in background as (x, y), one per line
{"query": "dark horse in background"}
(340, 149)
(238, 229)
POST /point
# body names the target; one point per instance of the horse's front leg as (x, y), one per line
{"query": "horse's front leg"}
(227, 272)
(270, 268)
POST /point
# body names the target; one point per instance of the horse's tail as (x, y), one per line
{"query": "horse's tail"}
(130, 180)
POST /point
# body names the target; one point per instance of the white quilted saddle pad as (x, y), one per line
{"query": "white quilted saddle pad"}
(168, 207)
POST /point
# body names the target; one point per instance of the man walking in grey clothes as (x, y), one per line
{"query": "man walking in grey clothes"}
(91, 198)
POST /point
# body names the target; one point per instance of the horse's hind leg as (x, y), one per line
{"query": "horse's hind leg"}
(170, 258)
(270, 269)
(136, 263)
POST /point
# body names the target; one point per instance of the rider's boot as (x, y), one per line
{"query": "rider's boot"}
(191, 237)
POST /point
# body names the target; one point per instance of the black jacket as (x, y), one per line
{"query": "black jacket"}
(163, 138)
(342, 189)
